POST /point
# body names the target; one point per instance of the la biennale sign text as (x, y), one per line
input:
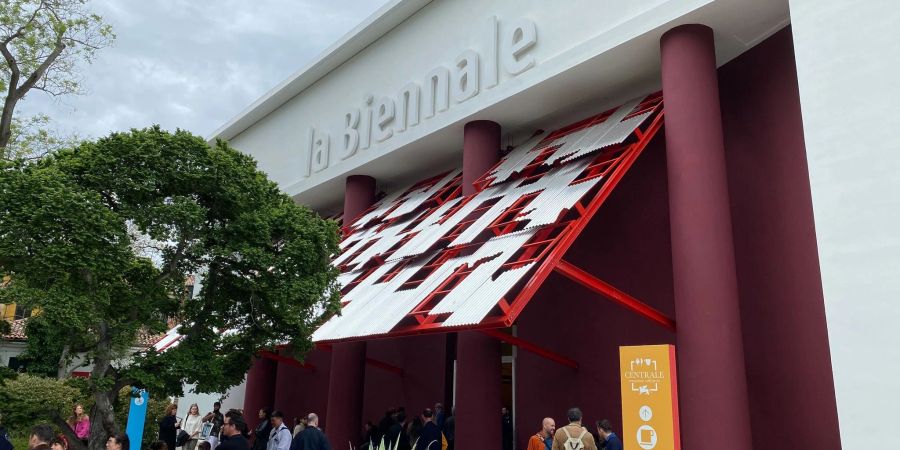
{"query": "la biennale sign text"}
(382, 117)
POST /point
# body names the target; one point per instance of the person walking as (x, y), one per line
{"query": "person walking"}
(543, 440)
(299, 425)
(507, 428)
(5, 443)
(232, 425)
(396, 436)
(40, 437)
(192, 424)
(604, 429)
(118, 442)
(80, 423)
(439, 417)
(573, 436)
(261, 433)
(312, 437)
(430, 435)
(280, 436)
(168, 426)
(450, 429)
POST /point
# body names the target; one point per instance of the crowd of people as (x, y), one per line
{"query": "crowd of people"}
(433, 429)
(574, 436)
(229, 431)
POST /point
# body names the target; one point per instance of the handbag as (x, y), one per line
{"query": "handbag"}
(182, 438)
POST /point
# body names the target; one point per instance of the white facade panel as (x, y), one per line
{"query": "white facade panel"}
(847, 65)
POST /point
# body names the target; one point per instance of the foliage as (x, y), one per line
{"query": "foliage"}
(45, 347)
(42, 43)
(28, 400)
(32, 138)
(68, 233)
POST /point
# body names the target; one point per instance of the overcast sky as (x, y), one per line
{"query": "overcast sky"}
(194, 64)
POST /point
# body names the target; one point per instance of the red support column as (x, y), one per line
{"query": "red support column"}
(359, 195)
(481, 151)
(260, 388)
(478, 385)
(478, 356)
(345, 394)
(343, 420)
(712, 381)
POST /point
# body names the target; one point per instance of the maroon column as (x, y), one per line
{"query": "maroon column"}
(345, 394)
(481, 150)
(478, 385)
(478, 357)
(343, 420)
(260, 388)
(712, 380)
(359, 194)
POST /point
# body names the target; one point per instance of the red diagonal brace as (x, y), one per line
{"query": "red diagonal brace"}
(599, 286)
(287, 360)
(528, 346)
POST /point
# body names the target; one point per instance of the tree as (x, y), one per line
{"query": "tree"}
(68, 227)
(28, 400)
(42, 42)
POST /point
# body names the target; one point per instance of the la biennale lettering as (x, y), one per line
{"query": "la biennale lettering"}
(381, 118)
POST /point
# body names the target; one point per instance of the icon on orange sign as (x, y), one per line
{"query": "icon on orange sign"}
(646, 437)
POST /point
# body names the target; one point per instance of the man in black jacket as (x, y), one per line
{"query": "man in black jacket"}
(396, 436)
(231, 428)
(430, 439)
(311, 438)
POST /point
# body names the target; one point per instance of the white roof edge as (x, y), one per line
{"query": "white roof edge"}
(370, 30)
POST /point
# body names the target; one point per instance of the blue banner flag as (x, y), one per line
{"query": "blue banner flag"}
(137, 415)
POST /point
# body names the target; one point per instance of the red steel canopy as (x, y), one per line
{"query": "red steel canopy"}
(428, 259)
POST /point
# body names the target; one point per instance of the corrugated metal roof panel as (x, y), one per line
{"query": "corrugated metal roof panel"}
(425, 258)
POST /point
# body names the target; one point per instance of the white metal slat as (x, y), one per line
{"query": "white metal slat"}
(517, 159)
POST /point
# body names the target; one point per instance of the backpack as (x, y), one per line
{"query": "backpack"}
(573, 443)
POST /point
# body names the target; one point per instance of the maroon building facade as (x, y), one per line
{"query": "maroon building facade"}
(712, 226)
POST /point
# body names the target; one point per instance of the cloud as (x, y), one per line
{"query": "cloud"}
(194, 64)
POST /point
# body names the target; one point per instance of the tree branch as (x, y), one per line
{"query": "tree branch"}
(169, 271)
(74, 442)
(39, 72)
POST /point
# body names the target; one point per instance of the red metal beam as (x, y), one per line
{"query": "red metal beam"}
(599, 286)
(528, 346)
(574, 229)
(289, 361)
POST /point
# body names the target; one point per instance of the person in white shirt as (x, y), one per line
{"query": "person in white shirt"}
(280, 436)
(191, 425)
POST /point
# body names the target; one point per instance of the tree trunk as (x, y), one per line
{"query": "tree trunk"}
(74, 442)
(62, 367)
(103, 419)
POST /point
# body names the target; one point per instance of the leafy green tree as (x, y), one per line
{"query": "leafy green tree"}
(101, 238)
(42, 43)
(28, 400)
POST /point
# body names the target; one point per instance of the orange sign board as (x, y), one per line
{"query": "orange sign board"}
(649, 397)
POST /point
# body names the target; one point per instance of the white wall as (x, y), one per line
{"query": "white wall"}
(10, 349)
(847, 63)
(585, 51)
(233, 399)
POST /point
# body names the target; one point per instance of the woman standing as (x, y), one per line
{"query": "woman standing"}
(192, 423)
(80, 423)
(263, 429)
(168, 426)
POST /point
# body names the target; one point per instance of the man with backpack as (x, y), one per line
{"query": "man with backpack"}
(573, 436)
